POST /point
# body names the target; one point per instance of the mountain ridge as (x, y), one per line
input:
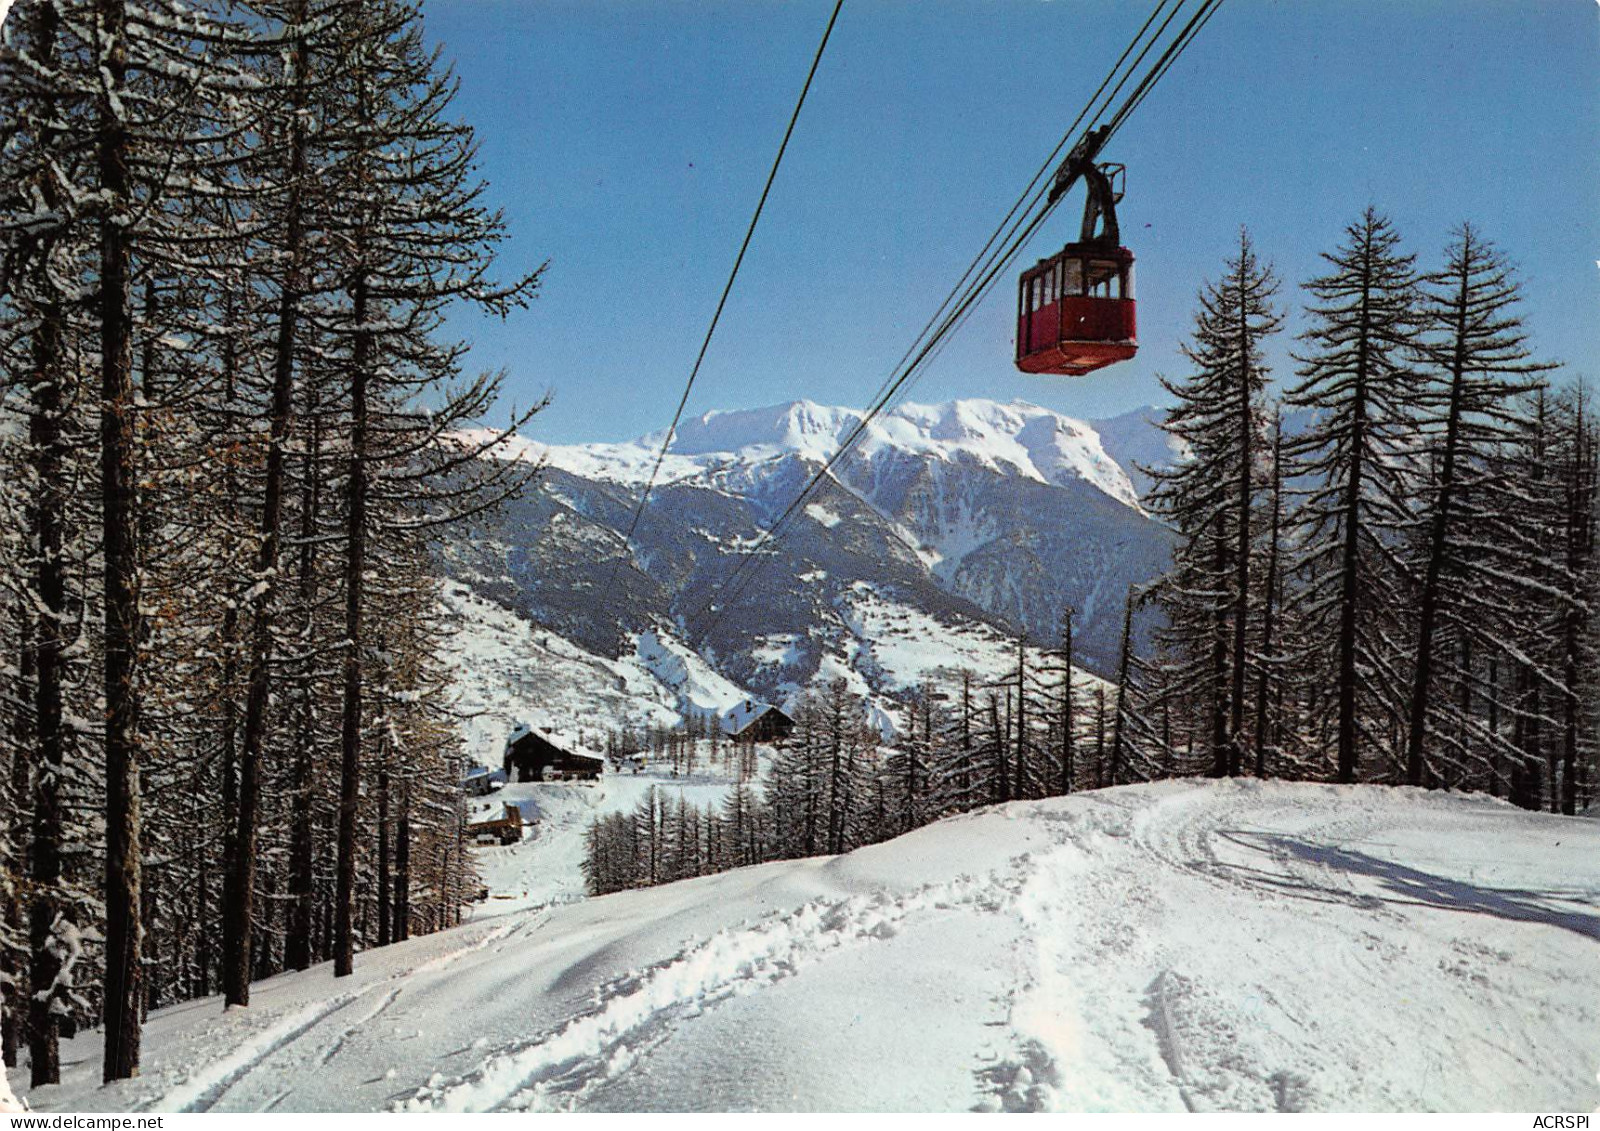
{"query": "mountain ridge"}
(948, 531)
(1031, 441)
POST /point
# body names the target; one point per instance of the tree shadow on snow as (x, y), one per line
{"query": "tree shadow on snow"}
(1413, 886)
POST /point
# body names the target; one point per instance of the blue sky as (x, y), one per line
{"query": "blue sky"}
(627, 141)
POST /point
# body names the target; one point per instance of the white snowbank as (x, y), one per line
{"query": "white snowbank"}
(699, 688)
(1209, 946)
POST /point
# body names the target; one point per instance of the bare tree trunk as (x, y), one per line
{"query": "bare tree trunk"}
(1100, 737)
(1068, 722)
(1019, 763)
(966, 736)
(1580, 511)
(202, 960)
(150, 900)
(384, 937)
(239, 893)
(1349, 574)
(1002, 780)
(13, 973)
(1124, 666)
(50, 583)
(402, 866)
(354, 596)
(1269, 600)
(1241, 565)
(1438, 531)
(119, 511)
(1221, 753)
(302, 851)
(1494, 724)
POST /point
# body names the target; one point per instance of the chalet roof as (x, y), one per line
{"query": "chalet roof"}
(560, 750)
(745, 713)
(523, 730)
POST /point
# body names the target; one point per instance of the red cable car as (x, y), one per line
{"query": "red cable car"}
(1075, 310)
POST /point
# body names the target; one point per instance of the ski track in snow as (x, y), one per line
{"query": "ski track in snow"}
(637, 1012)
(204, 1089)
(1098, 950)
(1227, 946)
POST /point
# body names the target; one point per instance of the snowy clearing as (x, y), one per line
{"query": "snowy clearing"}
(546, 867)
(506, 670)
(1186, 945)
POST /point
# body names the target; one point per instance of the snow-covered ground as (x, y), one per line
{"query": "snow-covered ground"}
(506, 670)
(546, 867)
(1182, 945)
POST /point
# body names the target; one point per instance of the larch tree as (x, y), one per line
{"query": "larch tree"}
(416, 239)
(180, 233)
(1477, 352)
(1211, 495)
(1357, 377)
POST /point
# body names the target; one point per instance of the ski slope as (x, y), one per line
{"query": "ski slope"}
(1184, 945)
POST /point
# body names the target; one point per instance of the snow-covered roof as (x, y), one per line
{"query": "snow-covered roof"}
(745, 713)
(523, 730)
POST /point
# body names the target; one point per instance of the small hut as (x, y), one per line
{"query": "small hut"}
(481, 780)
(755, 721)
(504, 829)
(530, 756)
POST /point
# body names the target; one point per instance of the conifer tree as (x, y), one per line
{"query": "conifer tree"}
(1210, 496)
(1476, 351)
(1357, 377)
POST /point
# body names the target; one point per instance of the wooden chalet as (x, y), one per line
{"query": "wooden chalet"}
(481, 780)
(755, 721)
(504, 829)
(530, 756)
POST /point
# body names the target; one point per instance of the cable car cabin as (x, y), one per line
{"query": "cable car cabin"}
(1075, 311)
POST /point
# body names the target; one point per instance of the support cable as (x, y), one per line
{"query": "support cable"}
(677, 416)
(993, 262)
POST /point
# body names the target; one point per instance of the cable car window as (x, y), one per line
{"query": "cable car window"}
(1101, 275)
(1073, 276)
(1127, 280)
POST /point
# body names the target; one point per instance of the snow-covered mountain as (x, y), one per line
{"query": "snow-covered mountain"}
(1137, 442)
(1010, 439)
(947, 530)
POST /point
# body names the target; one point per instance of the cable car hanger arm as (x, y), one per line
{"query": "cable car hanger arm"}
(1099, 210)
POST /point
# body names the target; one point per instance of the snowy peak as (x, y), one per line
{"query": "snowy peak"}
(799, 426)
(974, 516)
(1136, 441)
(1015, 439)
